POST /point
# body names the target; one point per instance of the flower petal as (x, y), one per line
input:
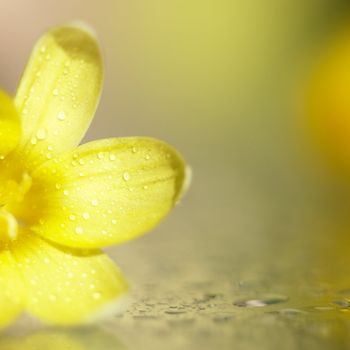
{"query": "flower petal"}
(58, 92)
(11, 289)
(66, 286)
(10, 128)
(106, 191)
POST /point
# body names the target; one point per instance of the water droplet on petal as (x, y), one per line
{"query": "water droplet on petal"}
(94, 202)
(61, 116)
(79, 230)
(33, 141)
(96, 295)
(86, 216)
(41, 134)
(126, 176)
(112, 157)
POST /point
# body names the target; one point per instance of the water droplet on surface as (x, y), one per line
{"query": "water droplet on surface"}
(114, 221)
(55, 92)
(66, 192)
(86, 216)
(100, 155)
(72, 217)
(260, 302)
(112, 157)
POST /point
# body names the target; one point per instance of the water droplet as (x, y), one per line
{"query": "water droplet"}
(145, 187)
(61, 116)
(94, 202)
(112, 157)
(72, 217)
(66, 192)
(86, 216)
(260, 302)
(100, 155)
(147, 156)
(114, 221)
(33, 141)
(55, 92)
(41, 134)
(134, 150)
(58, 186)
(126, 176)
(79, 230)
(96, 295)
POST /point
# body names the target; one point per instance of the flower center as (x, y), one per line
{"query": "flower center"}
(8, 228)
(13, 187)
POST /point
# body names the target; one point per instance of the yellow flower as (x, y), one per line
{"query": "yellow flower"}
(61, 204)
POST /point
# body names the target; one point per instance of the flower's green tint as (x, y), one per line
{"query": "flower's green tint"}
(60, 204)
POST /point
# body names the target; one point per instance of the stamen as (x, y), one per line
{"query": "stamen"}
(8, 226)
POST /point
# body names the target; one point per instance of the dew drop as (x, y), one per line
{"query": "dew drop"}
(41, 134)
(61, 116)
(55, 92)
(260, 302)
(72, 217)
(94, 202)
(126, 176)
(86, 216)
(100, 155)
(79, 230)
(33, 141)
(96, 295)
(114, 221)
(112, 157)
(66, 192)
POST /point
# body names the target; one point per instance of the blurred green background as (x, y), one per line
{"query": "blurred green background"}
(221, 81)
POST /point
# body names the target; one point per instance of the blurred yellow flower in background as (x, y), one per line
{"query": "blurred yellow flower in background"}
(61, 204)
(328, 100)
